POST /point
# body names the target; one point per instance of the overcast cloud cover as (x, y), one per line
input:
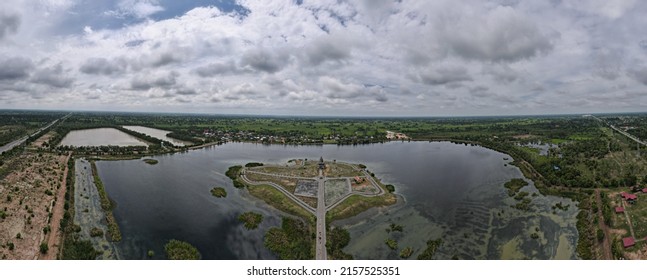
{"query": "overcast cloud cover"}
(328, 57)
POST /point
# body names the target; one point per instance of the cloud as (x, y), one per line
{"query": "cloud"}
(502, 34)
(607, 63)
(9, 24)
(610, 9)
(445, 76)
(217, 68)
(164, 58)
(265, 61)
(102, 66)
(329, 48)
(136, 8)
(52, 76)
(338, 90)
(164, 81)
(15, 68)
(639, 75)
(324, 57)
(502, 73)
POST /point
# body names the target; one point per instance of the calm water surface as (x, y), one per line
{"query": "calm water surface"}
(154, 132)
(454, 192)
(100, 137)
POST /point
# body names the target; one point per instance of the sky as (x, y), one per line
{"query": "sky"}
(326, 57)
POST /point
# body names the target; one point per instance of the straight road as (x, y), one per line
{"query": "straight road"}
(19, 142)
(634, 138)
(321, 219)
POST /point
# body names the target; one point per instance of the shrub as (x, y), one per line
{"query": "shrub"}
(94, 232)
(218, 192)
(44, 248)
(180, 250)
(253, 164)
(251, 219)
(391, 243)
(406, 252)
(233, 172)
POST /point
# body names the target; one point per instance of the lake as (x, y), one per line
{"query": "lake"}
(154, 132)
(100, 137)
(450, 191)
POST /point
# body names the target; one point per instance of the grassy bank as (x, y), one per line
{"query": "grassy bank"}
(278, 200)
(73, 247)
(113, 228)
(356, 204)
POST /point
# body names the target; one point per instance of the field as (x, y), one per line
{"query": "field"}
(287, 183)
(341, 170)
(335, 190)
(279, 201)
(308, 170)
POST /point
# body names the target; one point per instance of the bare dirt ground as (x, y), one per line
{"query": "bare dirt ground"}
(55, 235)
(637, 255)
(26, 197)
(45, 138)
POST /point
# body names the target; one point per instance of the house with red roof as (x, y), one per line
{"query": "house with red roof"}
(628, 242)
(631, 198)
(644, 190)
(620, 210)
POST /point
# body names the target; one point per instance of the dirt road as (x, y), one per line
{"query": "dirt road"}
(55, 234)
(606, 244)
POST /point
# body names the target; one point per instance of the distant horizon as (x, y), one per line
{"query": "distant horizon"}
(325, 116)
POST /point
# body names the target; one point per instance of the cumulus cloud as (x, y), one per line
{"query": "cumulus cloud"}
(265, 61)
(217, 68)
(15, 68)
(53, 76)
(9, 24)
(102, 66)
(446, 75)
(639, 74)
(325, 57)
(502, 34)
(163, 81)
(334, 48)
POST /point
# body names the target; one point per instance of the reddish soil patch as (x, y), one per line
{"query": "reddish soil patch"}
(55, 235)
(26, 196)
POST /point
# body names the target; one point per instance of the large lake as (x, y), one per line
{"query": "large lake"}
(100, 137)
(452, 191)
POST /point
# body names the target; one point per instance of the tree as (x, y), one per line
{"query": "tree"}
(44, 248)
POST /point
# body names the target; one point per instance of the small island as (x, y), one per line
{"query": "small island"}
(251, 220)
(180, 250)
(151, 161)
(219, 192)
